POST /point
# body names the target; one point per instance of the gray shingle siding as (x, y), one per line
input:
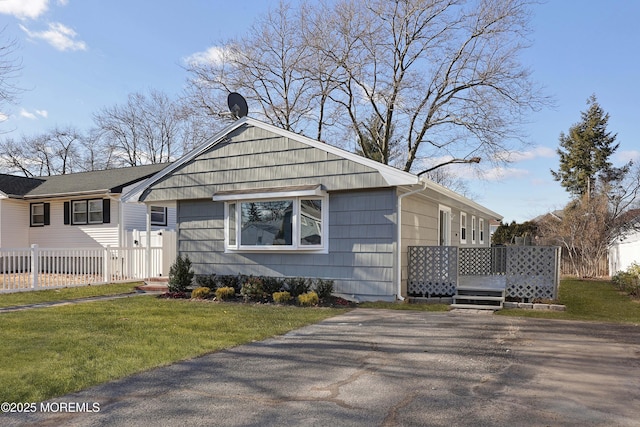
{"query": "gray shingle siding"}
(254, 158)
(361, 244)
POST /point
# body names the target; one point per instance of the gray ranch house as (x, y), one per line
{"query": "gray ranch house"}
(259, 200)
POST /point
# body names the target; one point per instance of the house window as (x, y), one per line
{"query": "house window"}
(158, 215)
(463, 227)
(93, 211)
(293, 223)
(473, 229)
(481, 229)
(444, 225)
(39, 214)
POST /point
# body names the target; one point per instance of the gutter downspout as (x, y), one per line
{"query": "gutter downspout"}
(399, 242)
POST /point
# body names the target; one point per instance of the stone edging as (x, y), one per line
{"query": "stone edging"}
(532, 306)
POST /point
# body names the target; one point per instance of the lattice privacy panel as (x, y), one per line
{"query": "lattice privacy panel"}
(482, 261)
(432, 270)
(532, 272)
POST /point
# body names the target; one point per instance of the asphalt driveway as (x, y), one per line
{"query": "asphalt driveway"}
(385, 368)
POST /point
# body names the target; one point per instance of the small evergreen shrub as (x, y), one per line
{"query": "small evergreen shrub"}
(180, 274)
(225, 292)
(297, 286)
(308, 299)
(200, 293)
(628, 281)
(252, 289)
(281, 297)
(270, 285)
(207, 281)
(324, 288)
(229, 281)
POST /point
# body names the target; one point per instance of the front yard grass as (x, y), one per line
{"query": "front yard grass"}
(595, 300)
(53, 351)
(64, 294)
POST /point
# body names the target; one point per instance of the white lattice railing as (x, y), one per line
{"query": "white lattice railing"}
(530, 271)
(47, 268)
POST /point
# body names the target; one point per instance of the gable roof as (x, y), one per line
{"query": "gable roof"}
(390, 175)
(94, 182)
(17, 186)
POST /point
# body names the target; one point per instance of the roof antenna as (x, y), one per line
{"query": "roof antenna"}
(237, 105)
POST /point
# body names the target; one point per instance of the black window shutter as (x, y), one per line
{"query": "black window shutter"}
(67, 213)
(106, 211)
(47, 214)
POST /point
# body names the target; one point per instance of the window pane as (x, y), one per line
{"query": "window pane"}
(310, 222)
(232, 224)
(158, 215)
(37, 214)
(95, 211)
(80, 212)
(266, 223)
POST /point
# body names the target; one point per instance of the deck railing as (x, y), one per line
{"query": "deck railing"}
(47, 268)
(530, 272)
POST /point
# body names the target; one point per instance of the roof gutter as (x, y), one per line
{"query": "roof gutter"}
(399, 239)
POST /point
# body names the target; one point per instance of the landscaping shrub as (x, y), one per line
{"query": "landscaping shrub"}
(324, 288)
(297, 285)
(207, 280)
(270, 285)
(225, 292)
(230, 282)
(252, 289)
(200, 293)
(308, 299)
(281, 297)
(180, 274)
(628, 281)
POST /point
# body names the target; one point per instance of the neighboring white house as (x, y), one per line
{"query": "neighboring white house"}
(77, 210)
(626, 250)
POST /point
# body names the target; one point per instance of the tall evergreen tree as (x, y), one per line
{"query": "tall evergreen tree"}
(585, 152)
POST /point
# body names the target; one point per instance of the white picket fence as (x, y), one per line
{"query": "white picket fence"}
(34, 268)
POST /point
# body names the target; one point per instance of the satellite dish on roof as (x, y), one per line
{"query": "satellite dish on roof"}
(237, 105)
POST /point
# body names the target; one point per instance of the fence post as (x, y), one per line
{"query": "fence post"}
(106, 274)
(34, 266)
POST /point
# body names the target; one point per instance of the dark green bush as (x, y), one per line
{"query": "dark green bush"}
(297, 285)
(270, 285)
(324, 288)
(180, 274)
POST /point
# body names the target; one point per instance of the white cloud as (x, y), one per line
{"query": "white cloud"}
(23, 9)
(3, 117)
(26, 114)
(33, 115)
(58, 35)
(501, 173)
(624, 156)
(213, 55)
(519, 156)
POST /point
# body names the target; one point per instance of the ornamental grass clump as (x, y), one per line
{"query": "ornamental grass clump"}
(225, 292)
(200, 293)
(281, 297)
(308, 299)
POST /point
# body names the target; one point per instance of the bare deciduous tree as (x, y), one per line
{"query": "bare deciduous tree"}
(10, 67)
(442, 75)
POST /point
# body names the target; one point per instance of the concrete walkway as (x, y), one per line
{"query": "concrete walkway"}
(386, 368)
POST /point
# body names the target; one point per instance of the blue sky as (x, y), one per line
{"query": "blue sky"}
(80, 56)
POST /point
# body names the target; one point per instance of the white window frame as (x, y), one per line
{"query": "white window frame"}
(473, 229)
(444, 240)
(95, 202)
(481, 230)
(296, 196)
(159, 210)
(33, 215)
(463, 227)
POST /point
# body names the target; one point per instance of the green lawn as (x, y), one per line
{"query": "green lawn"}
(595, 300)
(51, 295)
(49, 352)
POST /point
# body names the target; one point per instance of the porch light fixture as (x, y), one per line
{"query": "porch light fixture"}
(471, 160)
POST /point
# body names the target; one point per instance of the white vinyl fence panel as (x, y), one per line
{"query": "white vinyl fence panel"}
(48, 268)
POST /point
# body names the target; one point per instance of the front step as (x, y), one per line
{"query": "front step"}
(478, 298)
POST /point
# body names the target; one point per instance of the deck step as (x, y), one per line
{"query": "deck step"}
(478, 298)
